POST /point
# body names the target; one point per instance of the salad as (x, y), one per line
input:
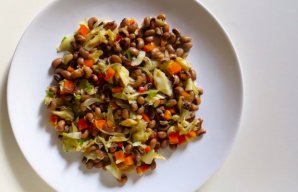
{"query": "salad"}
(122, 93)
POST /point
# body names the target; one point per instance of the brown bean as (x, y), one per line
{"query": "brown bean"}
(185, 39)
(83, 107)
(66, 74)
(76, 74)
(165, 36)
(91, 22)
(176, 80)
(197, 100)
(140, 43)
(179, 90)
(94, 78)
(125, 113)
(124, 22)
(170, 48)
(80, 38)
(134, 107)
(171, 103)
(166, 28)
(89, 164)
(84, 53)
(158, 31)
(141, 100)
(137, 157)
(85, 134)
(149, 39)
(132, 27)
(187, 46)
(56, 62)
(201, 91)
(117, 48)
(200, 132)
(172, 56)
(161, 16)
(53, 89)
(146, 22)
(141, 110)
(179, 52)
(164, 143)
(115, 59)
(112, 25)
(133, 44)
(193, 74)
(125, 43)
(149, 32)
(99, 165)
(90, 117)
(157, 145)
(128, 148)
(58, 77)
(194, 107)
(172, 38)
(113, 147)
(152, 143)
(60, 126)
(151, 124)
(184, 75)
(162, 134)
(138, 82)
(133, 51)
(88, 72)
(123, 179)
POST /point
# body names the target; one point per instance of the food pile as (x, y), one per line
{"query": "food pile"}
(122, 93)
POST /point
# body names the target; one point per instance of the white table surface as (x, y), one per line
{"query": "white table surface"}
(264, 157)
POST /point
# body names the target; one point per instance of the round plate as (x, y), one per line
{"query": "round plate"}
(212, 56)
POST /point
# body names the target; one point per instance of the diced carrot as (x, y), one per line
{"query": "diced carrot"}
(67, 87)
(128, 160)
(142, 169)
(191, 134)
(82, 124)
(167, 115)
(147, 149)
(172, 110)
(53, 120)
(131, 21)
(181, 139)
(119, 155)
(185, 94)
(149, 47)
(88, 62)
(110, 73)
(70, 69)
(83, 30)
(173, 138)
(145, 117)
(100, 123)
(174, 67)
(117, 89)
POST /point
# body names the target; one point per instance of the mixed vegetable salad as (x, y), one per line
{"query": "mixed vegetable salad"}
(122, 93)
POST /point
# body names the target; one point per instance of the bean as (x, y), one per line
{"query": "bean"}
(85, 134)
(52, 106)
(184, 75)
(98, 165)
(134, 51)
(117, 48)
(76, 74)
(123, 179)
(179, 52)
(80, 61)
(140, 43)
(179, 90)
(90, 117)
(186, 105)
(125, 43)
(92, 148)
(56, 62)
(141, 110)
(170, 48)
(91, 22)
(191, 96)
(80, 38)
(94, 78)
(53, 89)
(171, 103)
(138, 82)
(88, 72)
(157, 145)
(89, 164)
(141, 100)
(187, 46)
(115, 59)
(161, 16)
(194, 107)
(173, 146)
(84, 53)
(153, 165)
(193, 74)
(164, 143)
(162, 134)
(165, 36)
(131, 28)
(176, 80)
(197, 100)
(200, 132)
(66, 74)
(151, 124)
(166, 28)
(113, 147)
(146, 22)
(152, 143)
(185, 39)
(158, 31)
(137, 157)
(172, 38)
(125, 113)
(172, 56)
(128, 148)
(152, 23)
(58, 77)
(201, 91)
(83, 107)
(112, 25)
(149, 32)
(134, 107)
(136, 73)
(124, 22)
(149, 39)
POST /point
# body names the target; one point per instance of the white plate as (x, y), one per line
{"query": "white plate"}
(212, 56)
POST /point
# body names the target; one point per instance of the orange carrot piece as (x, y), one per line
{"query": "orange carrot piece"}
(147, 149)
(110, 73)
(119, 155)
(117, 89)
(128, 160)
(145, 117)
(174, 67)
(53, 120)
(70, 69)
(131, 21)
(149, 47)
(100, 123)
(167, 115)
(185, 94)
(172, 110)
(68, 87)
(89, 62)
(174, 138)
(83, 30)
(191, 134)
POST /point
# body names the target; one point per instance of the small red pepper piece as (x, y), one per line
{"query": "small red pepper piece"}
(141, 90)
(82, 124)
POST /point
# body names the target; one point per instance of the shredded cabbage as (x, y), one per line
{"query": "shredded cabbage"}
(114, 170)
(185, 64)
(190, 86)
(65, 114)
(95, 55)
(147, 158)
(65, 44)
(139, 59)
(122, 73)
(162, 83)
(91, 101)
